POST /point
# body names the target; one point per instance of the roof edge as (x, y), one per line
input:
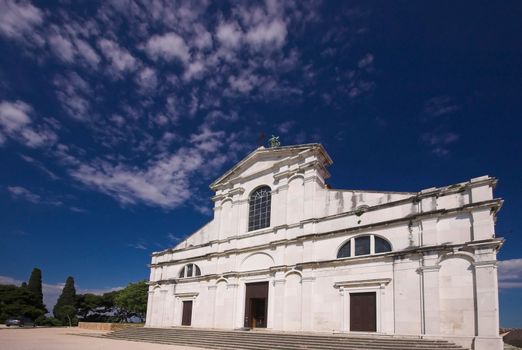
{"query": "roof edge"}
(262, 149)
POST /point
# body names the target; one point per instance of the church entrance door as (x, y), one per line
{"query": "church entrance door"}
(363, 312)
(186, 319)
(256, 305)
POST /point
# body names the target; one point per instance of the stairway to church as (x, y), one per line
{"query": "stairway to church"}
(250, 340)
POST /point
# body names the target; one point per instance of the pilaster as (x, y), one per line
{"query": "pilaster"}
(486, 292)
(483, 225)
(430, 294)
(279, 199)
(279, 296)
(212, 298)
(307, 285)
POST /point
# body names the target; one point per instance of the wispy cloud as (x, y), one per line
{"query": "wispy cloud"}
(164, 182)
(174, 238)
(18, 192)
(138, 245)
(40, 166)
(510, 273)
(16, 122)
(439, 141)
(164, 50)
(18, 19)
(21, 193)
(439, 106)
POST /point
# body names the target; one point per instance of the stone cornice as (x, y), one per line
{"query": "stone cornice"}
(377, 282)
(312, 236)
(381, 257)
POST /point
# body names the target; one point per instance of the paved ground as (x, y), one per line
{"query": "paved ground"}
(69, 339)
(65, 339)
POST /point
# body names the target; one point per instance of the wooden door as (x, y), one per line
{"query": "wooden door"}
(363, 312)
(256, 305)
(186, 318)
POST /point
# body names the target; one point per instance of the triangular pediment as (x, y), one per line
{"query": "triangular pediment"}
(265, 159)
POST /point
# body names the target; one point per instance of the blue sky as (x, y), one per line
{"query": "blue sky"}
(116, 116)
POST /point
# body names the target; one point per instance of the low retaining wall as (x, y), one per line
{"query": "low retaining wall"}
(102, 326)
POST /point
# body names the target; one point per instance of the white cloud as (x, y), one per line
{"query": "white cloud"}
(439, 106)
(40, 166)
(18, 192)
(18, 18)
(366, 61)
(16, 123)
(270, 35)
(138, 245)
(203, 39)
(510, 273)
(62, 47)
(285, 127)
(14, 115)
(168, 46)
(21, 193)
(164, 182)
(439, 142)
(194, 70)
(87, 52)
(74, 92)
(229, 34)
(147, 79)
(121, 60)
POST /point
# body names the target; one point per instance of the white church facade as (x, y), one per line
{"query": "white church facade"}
(286, 252)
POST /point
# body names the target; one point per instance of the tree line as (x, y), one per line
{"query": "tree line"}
(124, 305)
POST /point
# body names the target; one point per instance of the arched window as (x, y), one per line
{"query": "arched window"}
(362, 245)
(259, 205)
(382, 245)
(345, 250)
(190, 270)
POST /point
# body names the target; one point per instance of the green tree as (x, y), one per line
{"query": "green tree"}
(35, 286)
(65, 308)
(88, 305)
(18, 301)
(132, 301)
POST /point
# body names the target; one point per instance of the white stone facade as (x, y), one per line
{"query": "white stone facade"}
(439, 279)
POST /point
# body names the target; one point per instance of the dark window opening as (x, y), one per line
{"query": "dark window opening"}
(190, 270)
(381, 245)
(259, 208)
(345, 251)
(362, 245)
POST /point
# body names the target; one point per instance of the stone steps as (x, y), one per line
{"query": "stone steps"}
(217, 339)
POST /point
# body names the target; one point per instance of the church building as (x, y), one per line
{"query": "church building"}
(286, 252)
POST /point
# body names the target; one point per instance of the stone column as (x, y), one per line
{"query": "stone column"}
(486, 289)
(430, 294)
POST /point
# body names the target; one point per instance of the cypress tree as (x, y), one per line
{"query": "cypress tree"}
(65, 308)
(35, 286)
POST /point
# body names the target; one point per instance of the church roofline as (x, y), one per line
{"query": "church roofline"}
(263, 150)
